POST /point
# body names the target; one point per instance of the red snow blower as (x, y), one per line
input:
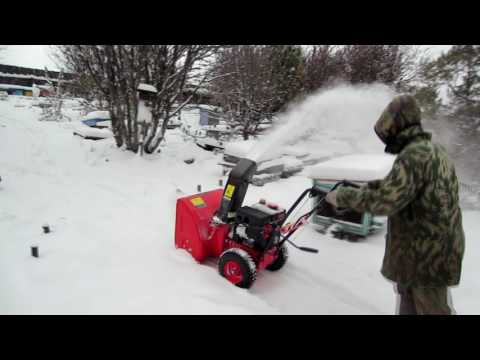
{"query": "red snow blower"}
(246, 239)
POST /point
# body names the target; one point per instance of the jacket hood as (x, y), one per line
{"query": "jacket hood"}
(399, 123)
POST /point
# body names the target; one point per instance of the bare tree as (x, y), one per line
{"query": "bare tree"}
(172, 68)
(323, 66)
(255, 82)
(52, 110)
(117, 70)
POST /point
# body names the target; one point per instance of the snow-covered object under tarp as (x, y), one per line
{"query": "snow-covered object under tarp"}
(242, 149)
(239, 148)
(360, 168)
(295, 151)
(292, 164)
(94, 117)
(92, 133)
(275, 163)
(100, 114)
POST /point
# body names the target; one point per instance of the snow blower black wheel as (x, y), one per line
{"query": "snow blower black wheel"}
(238, 267)
(281, 259)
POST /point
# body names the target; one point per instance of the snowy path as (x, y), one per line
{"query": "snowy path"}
(111, 250)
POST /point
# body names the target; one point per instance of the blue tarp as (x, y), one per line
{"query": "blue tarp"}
(93, 122)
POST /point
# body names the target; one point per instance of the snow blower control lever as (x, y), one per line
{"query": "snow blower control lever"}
(245, 239)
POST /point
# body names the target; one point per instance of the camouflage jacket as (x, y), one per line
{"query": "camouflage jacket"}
(425, 240)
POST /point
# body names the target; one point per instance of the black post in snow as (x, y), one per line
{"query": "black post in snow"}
(34, 251)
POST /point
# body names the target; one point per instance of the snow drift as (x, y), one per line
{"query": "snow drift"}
(111, 249)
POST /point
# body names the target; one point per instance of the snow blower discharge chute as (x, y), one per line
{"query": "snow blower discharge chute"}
(245, 239)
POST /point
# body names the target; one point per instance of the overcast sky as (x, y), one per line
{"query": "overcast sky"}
(34, 56)
(39, 56)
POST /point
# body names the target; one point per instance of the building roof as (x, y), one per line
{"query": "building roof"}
(17, 87)
(24, 72)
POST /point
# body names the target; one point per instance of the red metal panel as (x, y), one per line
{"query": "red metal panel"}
(216, 245)
(192, 226)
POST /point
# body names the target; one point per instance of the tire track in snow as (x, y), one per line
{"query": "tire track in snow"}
(300, 280)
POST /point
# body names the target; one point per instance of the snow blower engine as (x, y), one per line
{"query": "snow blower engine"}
(246, 239)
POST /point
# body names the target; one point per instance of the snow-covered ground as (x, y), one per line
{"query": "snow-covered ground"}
(111, 249)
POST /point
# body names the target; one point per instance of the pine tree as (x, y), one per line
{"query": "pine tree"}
(428, 100)
(287, 73)
(459, 71)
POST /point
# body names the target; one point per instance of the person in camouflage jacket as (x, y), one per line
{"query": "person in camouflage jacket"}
(425, 240)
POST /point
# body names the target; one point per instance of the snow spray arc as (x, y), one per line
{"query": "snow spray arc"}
(344, 112)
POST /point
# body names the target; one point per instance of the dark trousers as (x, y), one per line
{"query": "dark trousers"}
(423, 301)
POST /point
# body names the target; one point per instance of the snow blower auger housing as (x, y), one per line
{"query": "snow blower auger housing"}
(245, 239)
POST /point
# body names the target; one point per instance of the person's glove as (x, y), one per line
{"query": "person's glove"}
(331, 198)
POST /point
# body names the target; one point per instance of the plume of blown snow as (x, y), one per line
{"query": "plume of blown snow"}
(343, 114)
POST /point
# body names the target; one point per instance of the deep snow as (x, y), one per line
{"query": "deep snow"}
(111, 250)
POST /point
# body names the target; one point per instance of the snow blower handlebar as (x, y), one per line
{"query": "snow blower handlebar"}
(235, 191)
(302, 220)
